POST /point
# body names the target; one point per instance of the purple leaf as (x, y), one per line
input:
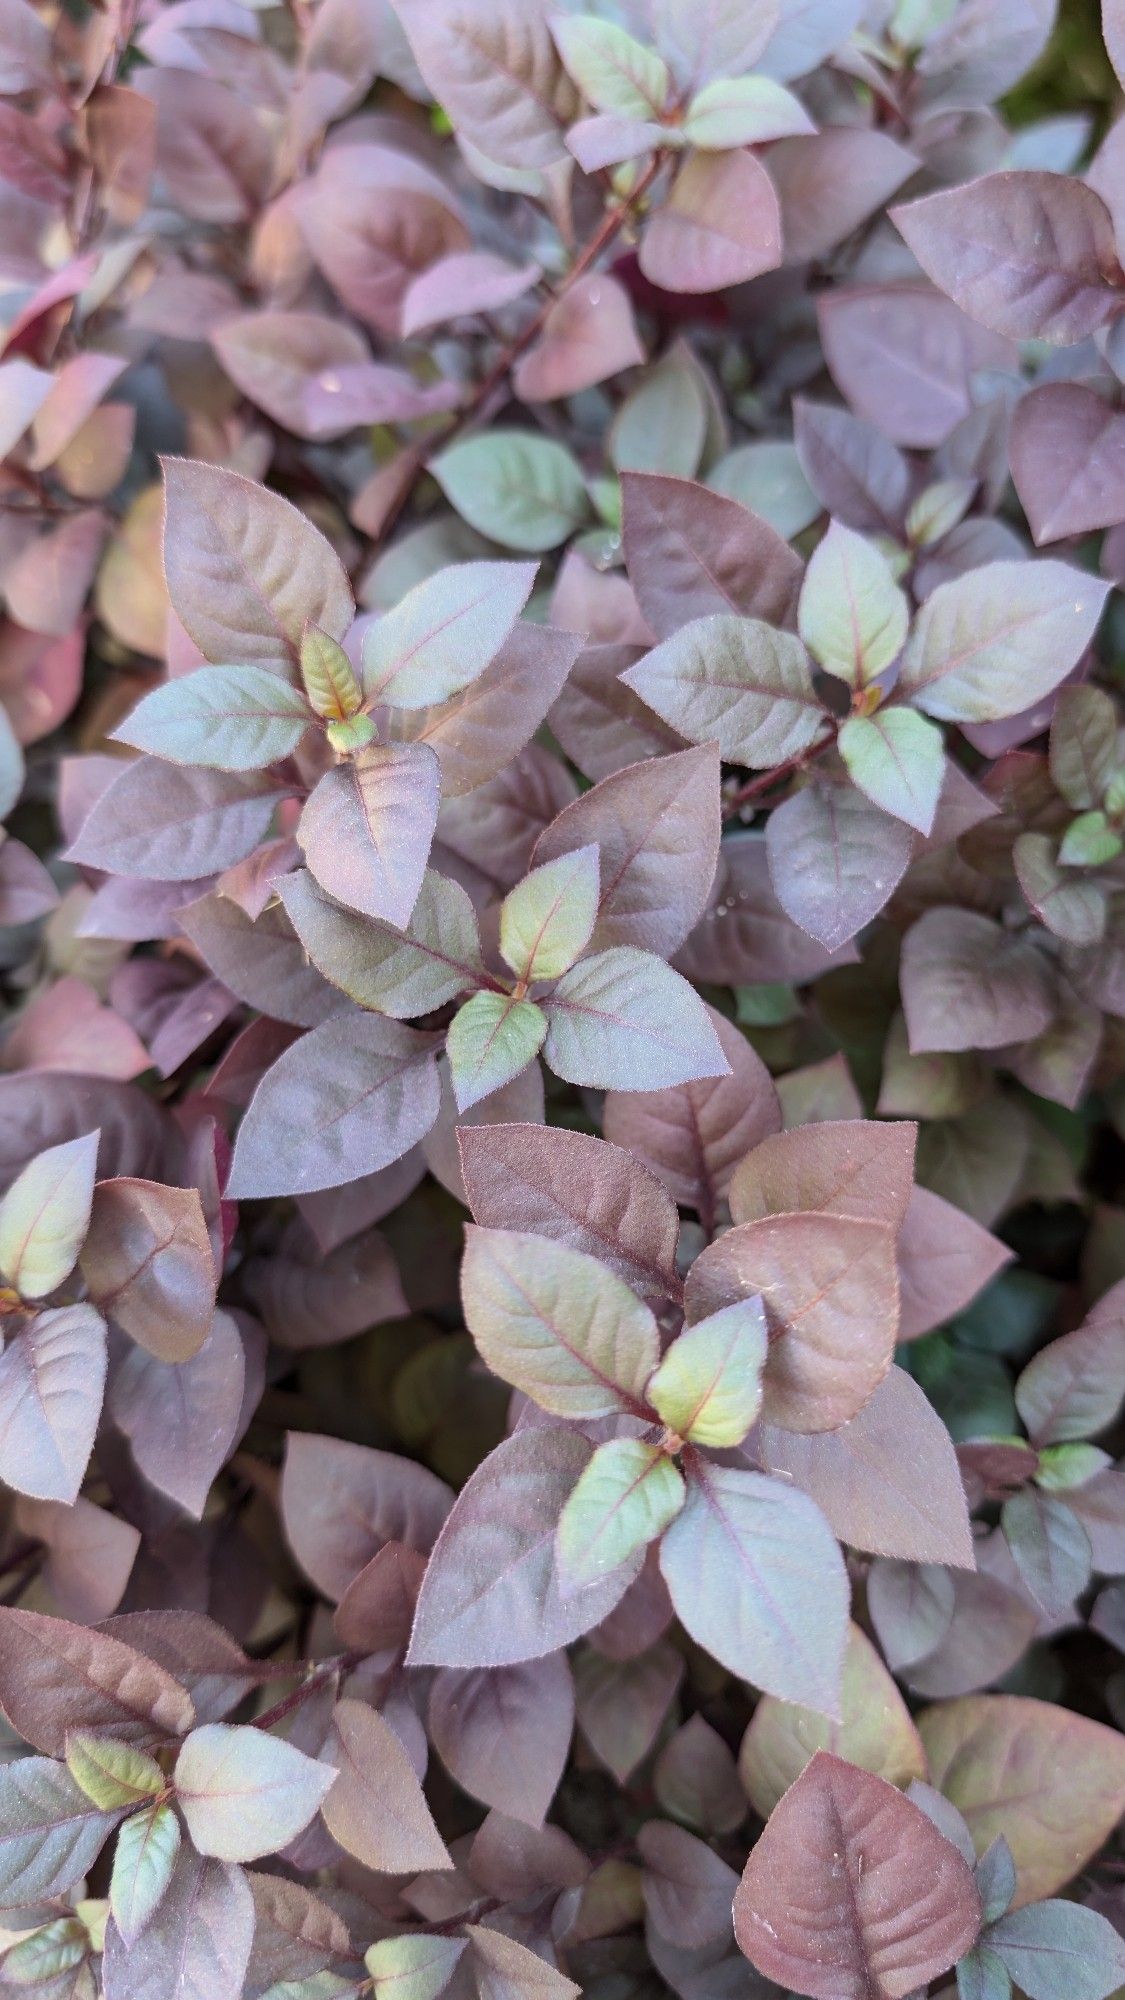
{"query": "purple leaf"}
(366, 829)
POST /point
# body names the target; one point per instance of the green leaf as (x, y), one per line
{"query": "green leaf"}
(45, 1215)
(708, 1388)
(413, 1968)
(245, 1793)
(11, 766)
(1060, 1951)
(50, 1832)
(1089, 842)
(1083, 745)
(996, 640)
(982, 1976)
(937, 509)
(1072, 906)
(1063, 1467)
(874, 1732)
(112, 1774)
(736, 682)
(628, 1494)
(444, 632)
(490, 1041)
(852, 615)
(330, 679)
(613, 71)
(623, 1020)
(757, 1578)
(547, 920)
(743, 111)
(46, 1954)
(147, 1846)
(897, 758)
(400, 973)
(222, 718)
(557, 1324)
(524, 491)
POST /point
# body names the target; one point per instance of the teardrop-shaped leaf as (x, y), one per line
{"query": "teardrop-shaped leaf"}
(628, 1494)
(708, 1388)
(143, 1860)
(376, 1808)
(547, 920)
(244, 1793)
(443, 633)
(490, 1040)
(897, 758)
(223, 718)
(853, 616)
(44, 1216)
(113, 1774)
(366, 828)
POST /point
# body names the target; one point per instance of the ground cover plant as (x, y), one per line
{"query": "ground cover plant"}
(562, 922)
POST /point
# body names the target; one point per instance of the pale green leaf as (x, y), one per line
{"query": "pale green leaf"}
(852, 615)
(623, 1020)
(112, 1774)
(557, 1324)
(413, 1968)
(997, 640)
(708, 1388)
(897, 758)
(736, 682)
(45, 1215)
(45, 1955)
(143, 1860)
(492, 1038)
(222, 718)
(400, 973)
(329, 677)
(628, 1494)
(520, 489)
(547, 920)
(743, 111)
(245, 1793)
(613, 71)
(444, 632)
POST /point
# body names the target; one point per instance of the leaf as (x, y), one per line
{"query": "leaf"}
(547, 920)
(708, 1387)
(476, 734)
(494, 68)
(852, 615)
(491, 1040)
(1050, 1548)
(657, 829)
(625, 1498)
(1113, 34)
(413, 1968)
(855, 1167)
(897, 759)
(443, 633)
(945, 1259)
(688, 1889)
(181, 1419)
(1060, 1951)
(375, 1808)
(875, 1732)
(624, 1703)
(467, 281)
(613, 71)
(366, 828)
(260, 960)
(1074, 1387)
(853, 470)
(144, 1858)
(45, 1214)
(111, 1774)
(52, 1378)
(903, 357)
(852, 1891)
(244, 1793)
(735, 681)
(997, 1757)
(874, 1492)
(691, 552)
(720, 225)
(758, 1581)
(623, 1020)
(347, 1099)
(1066, 452)
(830, 1291)
(522, 490)
(505, 1970)
(296, 1935)
(556, 1323)
(576, 1190)
(315, 376)
(56, 1677)
(342, 1503)
(743, 111)
(147, 1260)
(835, 860)
(694, 1136)
(492, 1594)
(167, 824)
(223, 718)
(999, 639)
(246, 571)
(504, 1733)
(50, 1832)
(968, 984)
(1028, 254)
(396, 972)
(197, 1944)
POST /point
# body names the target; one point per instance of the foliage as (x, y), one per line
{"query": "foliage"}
(562, 919)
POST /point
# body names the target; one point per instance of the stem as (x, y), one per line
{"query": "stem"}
(285, 1707)
(609, 229)
(766, 780)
